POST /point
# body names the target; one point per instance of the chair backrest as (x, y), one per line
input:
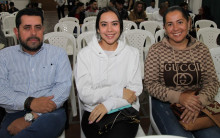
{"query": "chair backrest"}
(90, 18)
(128, 25)
(69, 19)
(88, 26)
(142, 40)
(1, 46)
(64, 40)
(83, 39)
(68, 26)
(15, 13)
(204, 23)
(215, 52)
(149, 16)
(192, 15)
(208, 36)
(129, 13)
(151, 26)
(4, 13)
(8, 24)
(159, 35)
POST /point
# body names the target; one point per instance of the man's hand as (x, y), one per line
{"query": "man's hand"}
(97, 113)
(43, 104)
(129, 95)
(17, 126)
(190, 101)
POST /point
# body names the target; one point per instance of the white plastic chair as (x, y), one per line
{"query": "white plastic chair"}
(62, 135)
(62, 39)
(192, 15)
(83, 39)
(151, 26)
(88, 26)
(73, 104)
(215, 52)
(128, 25)
(129, 13)
(204, 23)
(90, 18)
(159, 35)
(81, 111)
(142, 40)
(68, 42)
(149, 16)
(68, 26)
(153, 125)
(4, 14)
(208, 36)
(8, 25)
(1, 46)
(69, 19)
(15, 13)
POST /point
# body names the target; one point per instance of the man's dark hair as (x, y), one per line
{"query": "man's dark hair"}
(79, 4)
(92, 1)
(11, 4)
(29, 12)
(120, 1)
(183, 4)
(35, 4)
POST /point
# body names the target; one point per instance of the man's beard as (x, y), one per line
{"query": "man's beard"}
(25, 46)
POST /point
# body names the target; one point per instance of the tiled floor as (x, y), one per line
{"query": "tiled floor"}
(74, 124)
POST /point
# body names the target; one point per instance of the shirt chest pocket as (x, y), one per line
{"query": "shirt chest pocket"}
(45, 73)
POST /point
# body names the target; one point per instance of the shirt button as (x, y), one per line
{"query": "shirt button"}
(33, 70)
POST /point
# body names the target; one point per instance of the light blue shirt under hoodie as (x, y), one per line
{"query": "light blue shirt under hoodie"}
(46, 73)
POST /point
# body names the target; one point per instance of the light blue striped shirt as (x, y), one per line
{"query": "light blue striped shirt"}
(22, 75)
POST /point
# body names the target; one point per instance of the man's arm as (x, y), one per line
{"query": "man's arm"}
(9, 99)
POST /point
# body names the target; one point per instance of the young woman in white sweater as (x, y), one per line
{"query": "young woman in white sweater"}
(108, 76)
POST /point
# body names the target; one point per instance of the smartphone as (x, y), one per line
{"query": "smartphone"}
(118, 109)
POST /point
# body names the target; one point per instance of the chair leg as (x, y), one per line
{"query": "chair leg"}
(62, 135)
(150, 130)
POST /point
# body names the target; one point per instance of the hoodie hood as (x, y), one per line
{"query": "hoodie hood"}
(96, 48)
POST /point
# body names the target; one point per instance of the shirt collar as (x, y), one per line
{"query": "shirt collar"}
(22, 51)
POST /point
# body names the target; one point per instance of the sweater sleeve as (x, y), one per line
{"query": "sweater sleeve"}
(152, 82)
(210, 83)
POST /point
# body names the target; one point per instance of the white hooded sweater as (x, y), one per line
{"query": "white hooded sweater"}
(101, 78)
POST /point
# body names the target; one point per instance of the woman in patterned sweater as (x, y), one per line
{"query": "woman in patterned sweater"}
(176, 64)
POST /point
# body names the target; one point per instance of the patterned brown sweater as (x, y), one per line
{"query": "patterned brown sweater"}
(169, 71)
